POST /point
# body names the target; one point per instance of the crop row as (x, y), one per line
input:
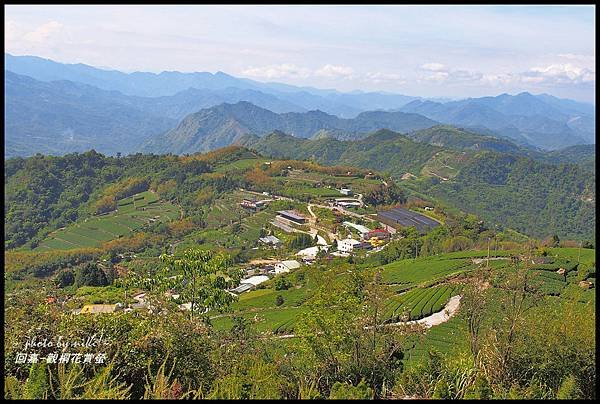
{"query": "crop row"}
(419, 303)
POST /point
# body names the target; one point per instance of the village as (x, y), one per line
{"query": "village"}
(345, 240)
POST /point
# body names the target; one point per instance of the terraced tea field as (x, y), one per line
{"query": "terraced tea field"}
(446, 338)
(132, 214)
(419, 303)
(411, 272)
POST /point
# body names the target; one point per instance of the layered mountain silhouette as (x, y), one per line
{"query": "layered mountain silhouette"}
(543, 121)
(57, 108)
(224, 124)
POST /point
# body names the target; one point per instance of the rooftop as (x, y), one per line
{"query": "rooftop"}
(359, 227)
(292, 214)
(255, 280)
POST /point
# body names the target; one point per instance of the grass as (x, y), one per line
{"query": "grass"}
(277, 320)
(242, 164)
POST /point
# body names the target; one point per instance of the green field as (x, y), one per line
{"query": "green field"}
(131, 215)
(411, 272)
(419, 302)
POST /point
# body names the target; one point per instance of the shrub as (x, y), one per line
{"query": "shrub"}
(282, 284)
(348, 391)
(65, 278)
(90, 275)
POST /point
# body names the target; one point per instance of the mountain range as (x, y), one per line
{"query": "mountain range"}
(224, 124)
(58, 108)
(543, 121)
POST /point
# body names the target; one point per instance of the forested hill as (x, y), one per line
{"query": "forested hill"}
(461, 139)
(223, 124)
(382, 150)
(530, 195)
(584, 155)
(536, 198)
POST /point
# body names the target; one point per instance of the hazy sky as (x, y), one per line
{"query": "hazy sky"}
(451, 51)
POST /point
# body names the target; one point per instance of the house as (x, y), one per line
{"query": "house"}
(286, 266)
(247, 203)
(291, 216)
(380, 234)
(98, 308)
(250, 204)
(255, 280)
(358, 227)
(346, 191)
(348, 202)
(270, 240)
(310, 253)
(243, 287)
(249, 283)
(347, 245)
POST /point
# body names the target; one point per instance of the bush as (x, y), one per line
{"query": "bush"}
(65, 278)
(90, 275)
(282, 283)
(279, 300)
(348, 391)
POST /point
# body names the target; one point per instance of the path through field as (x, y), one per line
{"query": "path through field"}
(439, 317)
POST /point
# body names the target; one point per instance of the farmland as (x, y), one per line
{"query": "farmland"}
(406, 273)
(419, 303)
(132, 214)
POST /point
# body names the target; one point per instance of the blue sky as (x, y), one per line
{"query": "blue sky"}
(446, 51)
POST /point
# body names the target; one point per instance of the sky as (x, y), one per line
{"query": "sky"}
(428, 51)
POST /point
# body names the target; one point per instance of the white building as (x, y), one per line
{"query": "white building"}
(347, 245)
(255, 280)
(286, 266)
(346, 191)
(359, 227)
(270, 240)
(310, 253)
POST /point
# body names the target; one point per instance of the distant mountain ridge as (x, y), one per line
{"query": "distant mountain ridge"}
(147, 84)
(63, 117)
(118, 105)
(543, 121)
(222, 125)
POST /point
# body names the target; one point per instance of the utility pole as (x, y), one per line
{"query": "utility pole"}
(579, 253)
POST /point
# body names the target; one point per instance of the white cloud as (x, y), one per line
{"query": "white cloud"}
(560, 74)
(433, 67)
(43, 32)
(498, 79)
(335, 71)
(11, 31)
(289, 70)
(378, 77)
(285, 70)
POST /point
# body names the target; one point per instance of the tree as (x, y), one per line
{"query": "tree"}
(201, 276)
(90, 275)
(474, 305)
(279, 300)
(299, 241)
(282, 283)
(65, 278)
